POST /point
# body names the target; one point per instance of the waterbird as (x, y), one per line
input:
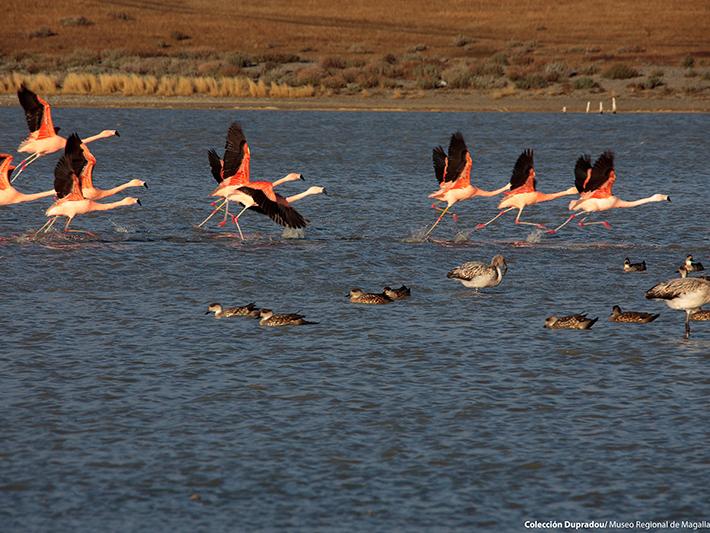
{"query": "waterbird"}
(8, 194)
(475, 274)
(358, 296)
(687, 294)
(248, 310)
(83, 163)
(523, 190)
(700, 315)
(43, 138)
(638, 317)
(397, 294)
(683, 271)
(453, 172)
(594, 183)
(634, 267)
(70, 201)
(692, 266)
(578, 321)
(268, 318)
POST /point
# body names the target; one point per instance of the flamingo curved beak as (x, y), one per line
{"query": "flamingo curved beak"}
(207, 312)
(325, 191)
(669, 198)
(303, 178)
(117, 134)
(139, 202)
(145, 185)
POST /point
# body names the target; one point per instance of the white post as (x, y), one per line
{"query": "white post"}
(613, 104)
(588, 104)
(601, 108)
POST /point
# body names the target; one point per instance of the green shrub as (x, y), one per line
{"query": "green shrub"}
(531, 81)
(585, 83)
(688, 62)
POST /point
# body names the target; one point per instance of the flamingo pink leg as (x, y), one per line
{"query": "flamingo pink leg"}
(437, 221)
(569, 219)
(24, 164)
(602, 222)
(226, 213)
(481, 226)
(216, 210)
(518, 221)
(47, 225)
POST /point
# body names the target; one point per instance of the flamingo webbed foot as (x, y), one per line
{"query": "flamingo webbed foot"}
(455, 217)
(221, 224)
(480, 226)
(606, 225)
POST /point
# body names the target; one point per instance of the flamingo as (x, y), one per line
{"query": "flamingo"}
(594, 183)
(8, 194)
(233, 171)
(476, 275)
(523, 192)
(688, 294)
(70, 201)
(83, 163)
(453, 172)
(43, 138)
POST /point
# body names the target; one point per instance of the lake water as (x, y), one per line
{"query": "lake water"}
(125, 408)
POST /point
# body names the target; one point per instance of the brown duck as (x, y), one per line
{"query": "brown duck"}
(578, 321)
(637, 317)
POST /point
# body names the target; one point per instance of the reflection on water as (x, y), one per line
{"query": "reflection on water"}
(125, 407)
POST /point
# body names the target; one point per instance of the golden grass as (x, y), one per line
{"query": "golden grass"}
(135, 85)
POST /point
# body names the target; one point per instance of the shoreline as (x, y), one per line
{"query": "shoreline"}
(463, 103)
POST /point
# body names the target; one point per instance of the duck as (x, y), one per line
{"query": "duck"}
(477, 275)
(637, 317)
(358, 296)
(397, 294)
(268, 318)
(683, 271)
(578, 321)
(692, 266)
(634, 267)
(248, 310)
(700, 315)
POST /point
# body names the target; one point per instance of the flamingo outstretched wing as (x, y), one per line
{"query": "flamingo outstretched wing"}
(521, 179)
(215, 165)
(6, 169)
(81, 159)
(66, 182)
(602, 173)
(235, 150)
(581, 172)
(279, 211)
(37, 113)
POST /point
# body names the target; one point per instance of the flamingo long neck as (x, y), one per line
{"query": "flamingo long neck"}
(290, 177)
(35, 196)
(542, 197)
(303, 194)
(105, 193)
(634, 203)
(96, 206)
(96, 137)
(496, 192)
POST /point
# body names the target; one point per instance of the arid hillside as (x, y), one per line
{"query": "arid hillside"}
(311, 48)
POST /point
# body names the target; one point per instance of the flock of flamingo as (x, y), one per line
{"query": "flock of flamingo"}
(75, 194)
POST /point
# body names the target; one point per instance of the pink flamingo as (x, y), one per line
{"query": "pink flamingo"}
(594, 183)
(70, 201)
(8, 194)
(453, 172)
(233, 172)
(523, 191)
(43, 138)
(83, 163)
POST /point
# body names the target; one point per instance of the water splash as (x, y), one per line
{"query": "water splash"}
(534, 237)
(293, 233)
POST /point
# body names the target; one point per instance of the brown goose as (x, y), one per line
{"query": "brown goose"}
(636, 317)
(358, 296)
(578, 321)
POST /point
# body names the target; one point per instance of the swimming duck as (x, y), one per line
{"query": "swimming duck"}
(268, 318)
(397, 294)
(578, 321)
(692, 266)
(701, 314)
(634, 267)
(358, 296)
(475, 274)
(638, 317)
(248, 310)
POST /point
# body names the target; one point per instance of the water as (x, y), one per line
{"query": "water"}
(124, 407)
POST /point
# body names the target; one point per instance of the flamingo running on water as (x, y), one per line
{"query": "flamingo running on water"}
(453, 172)
(70, 201)
(687, 294)
(83, 163)
(43, 138)
(594, 183)
(8, 194)
(523, 191)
